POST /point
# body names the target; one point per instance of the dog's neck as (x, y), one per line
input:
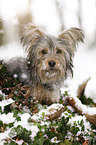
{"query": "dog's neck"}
(48, 86)
(46, 93)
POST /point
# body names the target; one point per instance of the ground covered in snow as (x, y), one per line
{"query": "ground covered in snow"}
(24, 127)
(24, 121)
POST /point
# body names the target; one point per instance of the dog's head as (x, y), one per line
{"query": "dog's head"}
(51, 56)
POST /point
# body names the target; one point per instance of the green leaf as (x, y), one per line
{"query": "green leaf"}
(13, 143)
(39, 140)
(1, 124)
(74, 130)
(83, 128)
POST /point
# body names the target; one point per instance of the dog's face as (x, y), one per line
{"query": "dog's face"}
(52, 56)
(52, 59)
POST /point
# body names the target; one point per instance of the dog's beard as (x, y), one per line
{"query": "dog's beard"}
(49, 75)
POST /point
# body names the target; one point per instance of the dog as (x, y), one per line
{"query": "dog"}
(49, 61)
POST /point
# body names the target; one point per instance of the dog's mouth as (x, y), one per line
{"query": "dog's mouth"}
(50, 75)
(50, 72)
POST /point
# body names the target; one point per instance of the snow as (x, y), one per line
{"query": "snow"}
(11, 50)
(24, 120)
(43, 114)
(7, 118)
(84, 68)
(43, 65)
(24, 123)
(50, 74)
(24, 76)
(4, 135)
(90, 90)
(40, 117)
(5, 102)
(79, 118)
(85, 109)
(35, 130)
(19, 142)
(54, 140)
(15, 75)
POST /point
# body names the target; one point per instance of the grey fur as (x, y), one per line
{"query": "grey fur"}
(45, 80)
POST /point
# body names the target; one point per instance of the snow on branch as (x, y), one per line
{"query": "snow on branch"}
(89, 112)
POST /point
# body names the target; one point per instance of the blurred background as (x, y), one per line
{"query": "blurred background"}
(52, 16)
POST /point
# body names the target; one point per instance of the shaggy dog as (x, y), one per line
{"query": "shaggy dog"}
(49, 61)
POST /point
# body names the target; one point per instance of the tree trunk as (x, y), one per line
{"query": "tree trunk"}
(1, 32)
(80, 13)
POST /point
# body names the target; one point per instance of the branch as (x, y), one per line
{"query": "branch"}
(52, 112)
(89, 112)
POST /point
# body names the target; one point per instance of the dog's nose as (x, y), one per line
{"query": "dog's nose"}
(51, 63)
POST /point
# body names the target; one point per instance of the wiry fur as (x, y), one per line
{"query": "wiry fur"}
(50, 60)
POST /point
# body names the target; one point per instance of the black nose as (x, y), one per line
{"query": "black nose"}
(51, 63)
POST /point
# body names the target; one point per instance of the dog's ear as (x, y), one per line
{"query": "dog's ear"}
(29, 34)
(72, 36)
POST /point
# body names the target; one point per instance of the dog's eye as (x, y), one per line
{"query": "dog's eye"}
(44, 51)
(58, 51)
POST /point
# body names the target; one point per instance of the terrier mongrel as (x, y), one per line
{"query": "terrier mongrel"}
(49, 61)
